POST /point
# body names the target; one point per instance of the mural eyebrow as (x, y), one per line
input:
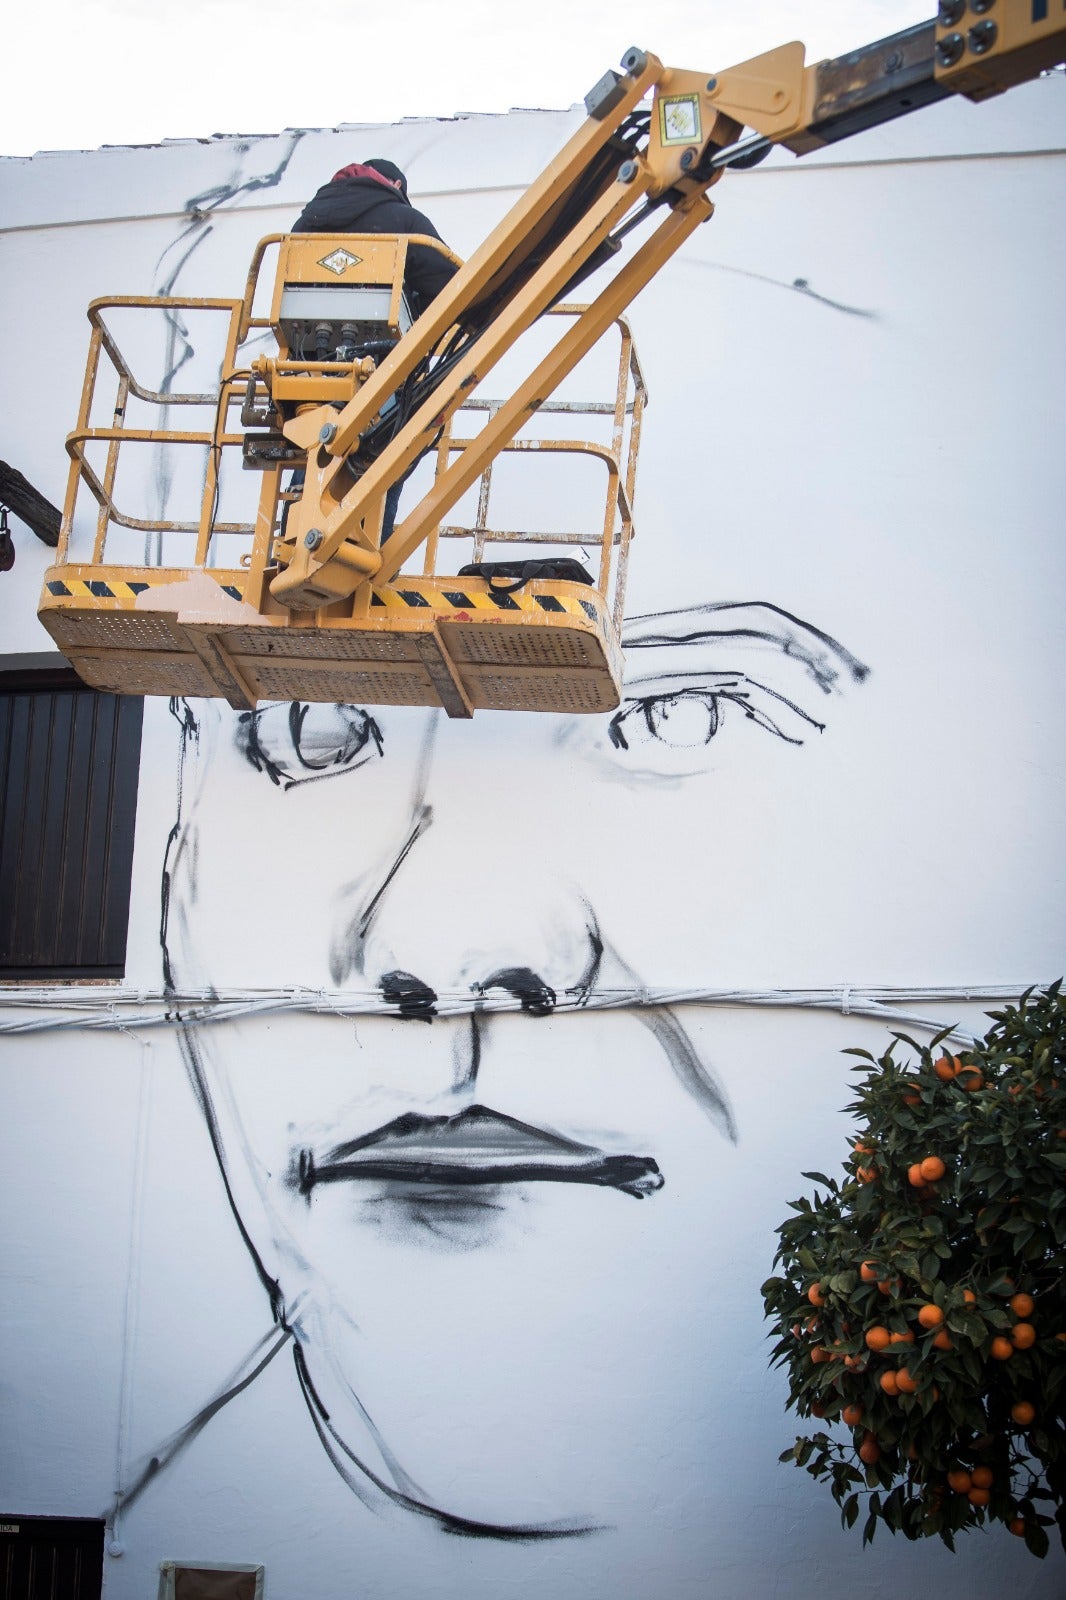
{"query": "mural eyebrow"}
(414, 999)
(537, 999)
(664, 639)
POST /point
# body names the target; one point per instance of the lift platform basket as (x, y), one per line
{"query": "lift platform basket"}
(211, 619)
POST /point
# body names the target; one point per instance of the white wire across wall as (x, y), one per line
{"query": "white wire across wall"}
(90, 1010)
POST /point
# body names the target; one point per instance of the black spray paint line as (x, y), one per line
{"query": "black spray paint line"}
(588, 980)
(477, 1146)
(187, 1038)
(341, 1455)
(798, 286)
(788, 644)
(466, 1072)
(179, 349)
(692, 1073)
(258, 1359)
(351, 740)
(350, 956)
(182, 712)
(735, 691)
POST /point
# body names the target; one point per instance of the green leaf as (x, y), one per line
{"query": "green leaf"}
(871, 1528)
(817, 1177)
(1036, 1540)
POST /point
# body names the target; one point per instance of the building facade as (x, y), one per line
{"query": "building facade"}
(829, 807)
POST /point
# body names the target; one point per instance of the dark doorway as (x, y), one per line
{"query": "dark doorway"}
(51, 1558)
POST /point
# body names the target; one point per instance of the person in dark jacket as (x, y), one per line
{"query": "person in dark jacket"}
(371, 197)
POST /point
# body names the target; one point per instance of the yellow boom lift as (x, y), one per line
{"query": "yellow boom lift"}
(315, 606)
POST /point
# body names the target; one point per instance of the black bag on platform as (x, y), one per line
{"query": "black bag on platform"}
(505, 577)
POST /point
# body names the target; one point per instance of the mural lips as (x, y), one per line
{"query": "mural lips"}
(476, 1146)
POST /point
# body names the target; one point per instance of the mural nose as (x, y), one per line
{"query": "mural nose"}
(453, 912)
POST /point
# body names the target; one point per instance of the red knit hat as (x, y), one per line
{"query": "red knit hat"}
(381, 171)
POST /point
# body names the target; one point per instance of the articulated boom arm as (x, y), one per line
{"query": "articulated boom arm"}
(620, 168)
(309, 601)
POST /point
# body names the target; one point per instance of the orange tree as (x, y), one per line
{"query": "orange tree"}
(920, 1311)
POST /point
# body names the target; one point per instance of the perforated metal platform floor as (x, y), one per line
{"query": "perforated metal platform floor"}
(449, 642)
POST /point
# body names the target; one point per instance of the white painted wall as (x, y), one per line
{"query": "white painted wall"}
(893, 480)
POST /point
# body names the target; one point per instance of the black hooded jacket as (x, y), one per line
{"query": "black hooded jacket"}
(369, 205)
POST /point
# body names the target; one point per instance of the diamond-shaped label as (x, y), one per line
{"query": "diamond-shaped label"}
(680, 119)
(339, 261)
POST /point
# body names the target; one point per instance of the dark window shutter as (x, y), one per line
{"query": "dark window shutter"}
(51, 1558)
(68, 797)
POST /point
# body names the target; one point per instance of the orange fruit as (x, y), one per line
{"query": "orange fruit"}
(911, 1097)
(863, 1149)
(888, 1285)
(1023, 1305)
(946, 1068)
(868, 1272)
(866, 1174)
(982, 1477)
(901, 1338)
(1023, 1413)
(970, 1078)
(877, 1338)
(969, 1296)
(1023, 1336)
(943, 1341)
(905, 1383)
(960, 1481)
(817, 1409)
(930, 1316)
(1001, 1349)
(914, 1175)
(978, 1497)
(889, 1382)
(869, 1451)
(815, 1296)
(819, 1354)
(932, 1169)
(1017, 1527)
(852, 1414)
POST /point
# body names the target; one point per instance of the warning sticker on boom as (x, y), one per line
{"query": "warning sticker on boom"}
(679, 119)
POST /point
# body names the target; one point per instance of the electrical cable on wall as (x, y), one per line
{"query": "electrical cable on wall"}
(123, 1008)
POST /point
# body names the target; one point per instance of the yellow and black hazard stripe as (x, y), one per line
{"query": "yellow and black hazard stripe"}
(451, 600)
(115, 589)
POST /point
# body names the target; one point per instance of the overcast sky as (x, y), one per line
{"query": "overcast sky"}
(82, 73)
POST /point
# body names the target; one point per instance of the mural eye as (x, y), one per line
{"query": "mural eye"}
(683, 720)
(300, 743)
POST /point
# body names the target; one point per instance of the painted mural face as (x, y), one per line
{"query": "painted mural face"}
(448, 1180)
